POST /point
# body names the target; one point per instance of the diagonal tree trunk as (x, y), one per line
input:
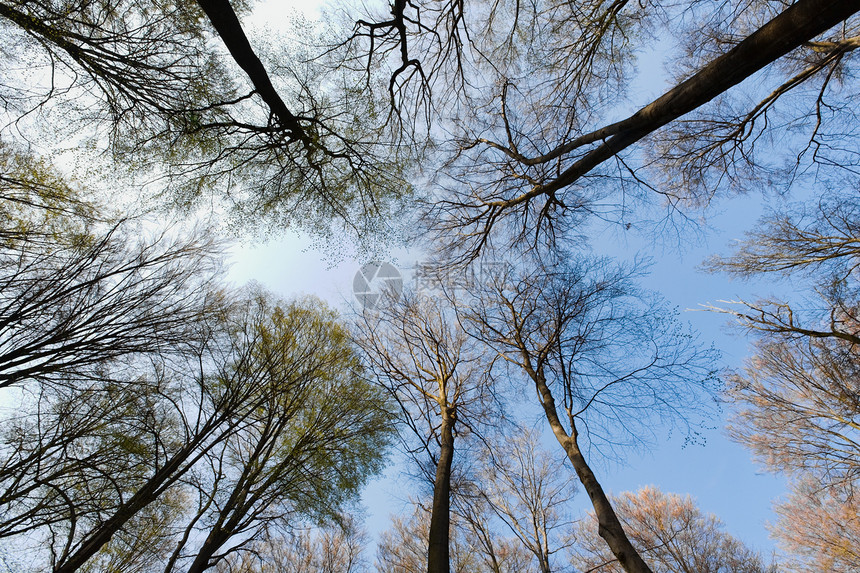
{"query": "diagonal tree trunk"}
(168, 474)
(609, 526)
(226, 23)
(798, 24)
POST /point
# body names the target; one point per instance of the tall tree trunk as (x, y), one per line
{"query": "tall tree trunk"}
(609, 527)
(438, 557)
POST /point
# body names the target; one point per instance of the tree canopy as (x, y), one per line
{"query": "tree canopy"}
(162, 419)
(165, 420)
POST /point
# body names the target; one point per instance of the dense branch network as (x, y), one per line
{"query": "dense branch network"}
(536, 190)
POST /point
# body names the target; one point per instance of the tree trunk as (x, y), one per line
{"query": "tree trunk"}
(168, 474)
(213, 541)
(438, 558)
(226, 23)
(799, 23)
(609, 527)
(106, 530)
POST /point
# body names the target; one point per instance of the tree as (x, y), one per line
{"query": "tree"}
(797, 408)
(337, 548)
(508, 513)
(138, 375)
(604, 361)
(797, 397)
(403, 548)
(528, 492)
(144, 540)
(440, 381)
(306, 445)
(88, 301)
(532, 159)
(672, 533)
(536, 91)
(477, 523)
(263, 420)
(37, 204)
(311, 140)
(75, 456)
(80, 288)
(819, 527)
(534, 131)
(144, 81)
